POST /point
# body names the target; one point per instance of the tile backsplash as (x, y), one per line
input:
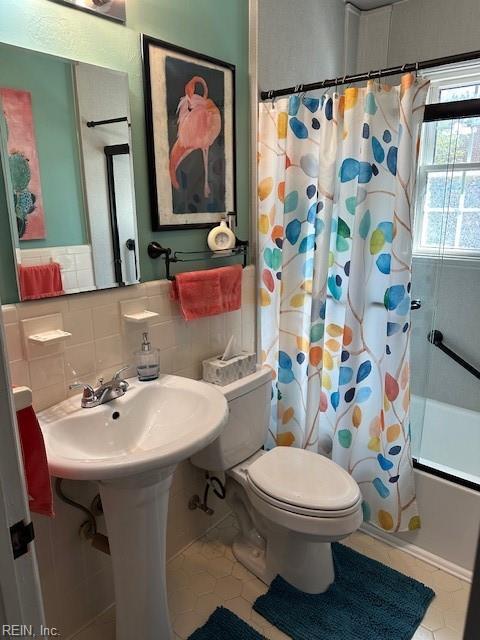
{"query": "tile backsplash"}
(77, 579)
(102, 341)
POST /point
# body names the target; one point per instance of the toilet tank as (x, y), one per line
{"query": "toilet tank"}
(246, 430)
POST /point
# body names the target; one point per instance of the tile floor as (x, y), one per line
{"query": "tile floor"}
(207, 575)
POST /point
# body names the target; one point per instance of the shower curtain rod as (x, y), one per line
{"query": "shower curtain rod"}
(371, 75)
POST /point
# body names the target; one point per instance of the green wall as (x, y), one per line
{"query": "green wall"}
(8, 281)
(51, 84)
(215, 27)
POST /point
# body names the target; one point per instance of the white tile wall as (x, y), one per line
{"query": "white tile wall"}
(75, 264)
(101, 341)
(76, 579)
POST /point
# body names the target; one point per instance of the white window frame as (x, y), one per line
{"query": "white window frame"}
(450, 77)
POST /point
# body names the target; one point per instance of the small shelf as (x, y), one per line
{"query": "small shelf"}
(49, 337)
(155, 250)
(141, 316)
(22, 397)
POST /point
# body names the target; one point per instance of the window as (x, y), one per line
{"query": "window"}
(447, 212)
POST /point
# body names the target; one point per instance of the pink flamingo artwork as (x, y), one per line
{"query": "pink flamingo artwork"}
(199, 123)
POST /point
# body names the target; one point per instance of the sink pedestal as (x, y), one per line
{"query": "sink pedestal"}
(135, 509)
(131, 446)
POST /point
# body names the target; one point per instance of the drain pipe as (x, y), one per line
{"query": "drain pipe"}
(88, 529)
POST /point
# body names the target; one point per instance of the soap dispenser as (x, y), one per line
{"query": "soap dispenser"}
(148, 361)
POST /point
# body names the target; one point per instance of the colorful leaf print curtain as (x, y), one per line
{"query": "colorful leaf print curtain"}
(336, 186)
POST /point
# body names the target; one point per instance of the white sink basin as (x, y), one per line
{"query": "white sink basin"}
(131, 446)
(154, 425)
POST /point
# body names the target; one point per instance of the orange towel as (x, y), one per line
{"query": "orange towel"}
(209, 292)
(35, 463)
(40, 281)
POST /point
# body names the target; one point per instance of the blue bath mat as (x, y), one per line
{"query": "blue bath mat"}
(225, 625)
(367, 601)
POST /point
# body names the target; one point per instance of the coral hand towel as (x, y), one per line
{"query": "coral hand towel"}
(209, 292)
(40, 281)
(35, 463)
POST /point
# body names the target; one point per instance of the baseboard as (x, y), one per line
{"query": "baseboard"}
(75, 634)
(418, 552)
(183, 549)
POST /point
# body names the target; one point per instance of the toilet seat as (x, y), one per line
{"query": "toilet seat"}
(303, 482)
(294, 509)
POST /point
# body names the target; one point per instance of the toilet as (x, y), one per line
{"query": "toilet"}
(291, 504)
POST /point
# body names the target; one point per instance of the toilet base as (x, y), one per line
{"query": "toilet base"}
(252, 558)
(301, 560)
(305, 564)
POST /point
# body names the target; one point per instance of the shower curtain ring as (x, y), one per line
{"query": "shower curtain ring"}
(325, 89)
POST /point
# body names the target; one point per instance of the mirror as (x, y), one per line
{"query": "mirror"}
(66, 155)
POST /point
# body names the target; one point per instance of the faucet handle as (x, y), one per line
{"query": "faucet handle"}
(116, 379)
(88, 391)
(116, 375)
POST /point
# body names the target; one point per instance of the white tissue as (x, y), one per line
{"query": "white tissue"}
(230, 350)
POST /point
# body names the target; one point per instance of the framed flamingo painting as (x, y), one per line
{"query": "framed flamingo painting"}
(190, 123)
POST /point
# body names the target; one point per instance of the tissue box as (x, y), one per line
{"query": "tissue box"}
(223, 372)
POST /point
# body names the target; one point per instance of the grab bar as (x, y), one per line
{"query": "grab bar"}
(436, 338)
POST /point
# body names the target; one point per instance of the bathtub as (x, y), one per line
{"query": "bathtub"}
(450, 513)
(446, 438)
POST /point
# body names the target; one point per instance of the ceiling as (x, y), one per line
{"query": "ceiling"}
(365, 5)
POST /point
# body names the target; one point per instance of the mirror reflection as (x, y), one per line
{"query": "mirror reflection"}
(66, 153)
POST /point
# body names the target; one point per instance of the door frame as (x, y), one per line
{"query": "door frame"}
(20, 591)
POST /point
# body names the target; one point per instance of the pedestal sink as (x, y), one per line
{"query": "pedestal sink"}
(131, 447)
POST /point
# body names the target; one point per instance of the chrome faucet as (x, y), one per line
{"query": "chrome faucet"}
(105, 392)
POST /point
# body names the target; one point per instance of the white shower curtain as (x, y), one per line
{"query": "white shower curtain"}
(336, 188)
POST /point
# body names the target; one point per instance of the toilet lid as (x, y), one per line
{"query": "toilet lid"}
(304, 479)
